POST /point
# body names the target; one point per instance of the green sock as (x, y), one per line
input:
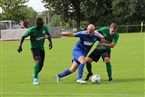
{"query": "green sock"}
(89, 67)
(36, 70)
(40, 67)
(109, 69)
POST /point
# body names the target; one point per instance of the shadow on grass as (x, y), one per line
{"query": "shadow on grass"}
(130, 80)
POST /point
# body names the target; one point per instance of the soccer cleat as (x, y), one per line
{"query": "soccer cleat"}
(88, 76)
(81, 81)
(36, 81)
(57, 79)
(110, 80)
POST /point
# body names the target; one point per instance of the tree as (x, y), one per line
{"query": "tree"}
(55, 21)
(67, 9)
(98, 12)
(9, 7)
(81, 10)
(129, 12)
(16, 10)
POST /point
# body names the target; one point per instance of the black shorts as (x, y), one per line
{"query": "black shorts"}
(96, 54)
(38, 52)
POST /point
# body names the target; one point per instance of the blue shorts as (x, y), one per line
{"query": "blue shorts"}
(77, 52)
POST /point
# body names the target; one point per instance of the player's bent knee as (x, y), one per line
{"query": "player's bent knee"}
(72, 70)
(89, 60)
(83, 62)
(107, 59)
(37, 59)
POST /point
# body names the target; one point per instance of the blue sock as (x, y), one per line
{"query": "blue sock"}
(65, 73)
(80, 70)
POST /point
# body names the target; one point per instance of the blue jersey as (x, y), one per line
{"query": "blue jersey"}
(85, 43)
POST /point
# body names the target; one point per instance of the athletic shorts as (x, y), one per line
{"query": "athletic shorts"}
(77, 52)
(38, 52)
(96, 54)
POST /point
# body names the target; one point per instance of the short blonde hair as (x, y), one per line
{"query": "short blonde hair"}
(113, 25)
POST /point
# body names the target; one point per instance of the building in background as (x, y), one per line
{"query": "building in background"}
(44, 16)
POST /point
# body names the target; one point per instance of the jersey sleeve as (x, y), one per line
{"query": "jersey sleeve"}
(80, 34)
(103, 29)
(100, 31)
(46, 29)
(27, 33)
(115, 38)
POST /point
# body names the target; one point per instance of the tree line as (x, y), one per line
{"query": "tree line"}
(17, 10)
(97, 12)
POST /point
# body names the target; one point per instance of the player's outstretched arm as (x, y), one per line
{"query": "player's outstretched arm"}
(70, 34)
(20, 45)
(103, 40)
(110, 45)
(50, 41)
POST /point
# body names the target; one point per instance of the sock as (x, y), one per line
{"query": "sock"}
(40, 67)
(89, 68)
(109, 69)
(41, 64)
(65, 73)
(36, 70)
(80, 70)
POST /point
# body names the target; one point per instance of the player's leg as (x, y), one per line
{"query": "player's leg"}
(94, 56)
(36, 66)
(42, 53)
(82, 62)
(37, 59)
(67, 71)
(106, 58)
(108, 68)
(89, 68)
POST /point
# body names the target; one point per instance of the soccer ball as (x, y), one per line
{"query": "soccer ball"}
(96, 79)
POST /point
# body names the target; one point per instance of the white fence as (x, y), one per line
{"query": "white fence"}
(16, 34)
(131, 28)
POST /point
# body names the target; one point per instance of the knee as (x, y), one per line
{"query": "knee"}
(83, 62)
(72, 70)
(37, 59)
(107, 59)
(89, 60)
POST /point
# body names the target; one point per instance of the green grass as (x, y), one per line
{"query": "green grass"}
(127, 61)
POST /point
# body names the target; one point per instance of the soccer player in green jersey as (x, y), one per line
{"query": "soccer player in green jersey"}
(103, 50)
(37, 35)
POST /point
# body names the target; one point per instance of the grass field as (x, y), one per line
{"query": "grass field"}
(128, 70)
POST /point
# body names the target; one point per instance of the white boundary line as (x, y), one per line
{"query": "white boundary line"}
(1, 67)
(65, 94)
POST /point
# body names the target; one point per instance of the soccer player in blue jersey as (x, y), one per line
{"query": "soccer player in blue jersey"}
(80, 51)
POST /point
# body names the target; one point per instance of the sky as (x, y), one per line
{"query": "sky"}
(36, 5)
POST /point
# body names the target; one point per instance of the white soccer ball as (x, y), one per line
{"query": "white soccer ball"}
(96, 79)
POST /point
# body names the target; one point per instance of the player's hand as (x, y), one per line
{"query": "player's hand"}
(19, 49)
(101, 44)
(104, 41)
(50, 46)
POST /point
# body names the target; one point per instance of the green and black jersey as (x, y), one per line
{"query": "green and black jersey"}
(110, 38)
(37, 36)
